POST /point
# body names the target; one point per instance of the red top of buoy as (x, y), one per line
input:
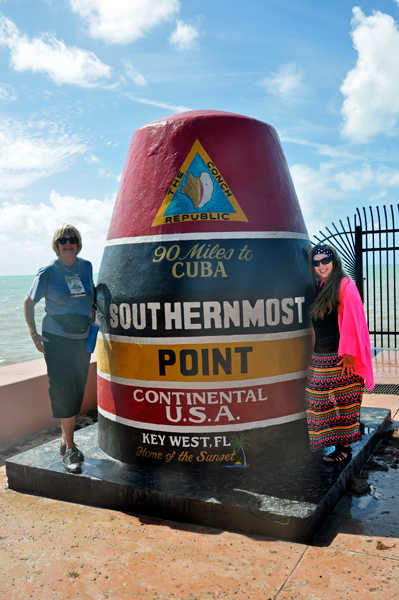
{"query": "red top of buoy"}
(205, 171)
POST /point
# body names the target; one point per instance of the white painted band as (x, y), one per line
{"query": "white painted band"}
(215, 339)
(205, 428)
(205, 385)
(222, 235)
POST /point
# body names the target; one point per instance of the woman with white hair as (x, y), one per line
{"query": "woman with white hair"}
(66, 283)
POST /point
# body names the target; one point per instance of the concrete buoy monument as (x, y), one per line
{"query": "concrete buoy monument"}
(204, 336)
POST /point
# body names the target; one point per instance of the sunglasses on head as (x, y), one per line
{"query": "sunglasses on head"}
(72, 240)
(323, 261)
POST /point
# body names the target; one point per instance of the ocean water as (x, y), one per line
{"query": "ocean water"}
(15, 342)
(381, 304)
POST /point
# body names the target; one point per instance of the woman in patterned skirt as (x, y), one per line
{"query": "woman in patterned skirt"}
(340, 365)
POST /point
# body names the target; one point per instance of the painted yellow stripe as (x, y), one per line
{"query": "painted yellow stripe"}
(141, 362)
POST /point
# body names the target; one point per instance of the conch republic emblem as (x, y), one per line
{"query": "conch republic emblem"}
(202, 295)
(199, 191)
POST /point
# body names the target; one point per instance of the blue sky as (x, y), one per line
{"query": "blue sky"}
(78, 77)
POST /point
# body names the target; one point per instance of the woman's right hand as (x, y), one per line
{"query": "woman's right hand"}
(37, 340)
(29, 312)
(348, 365)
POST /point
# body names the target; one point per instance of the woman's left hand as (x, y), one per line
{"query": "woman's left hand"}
(348, 365)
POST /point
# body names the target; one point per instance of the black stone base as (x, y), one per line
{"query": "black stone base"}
(288, 500)
(123, 443)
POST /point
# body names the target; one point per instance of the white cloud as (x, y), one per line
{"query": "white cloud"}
(173, 108)
(52, 57)
(7, 92)
(388, 177)
(26, 231)
(329, 182)
(123, 21)
(371, 89)
(323, 149)
(107, 173)
(381, 194)
(133, 73)
(285, 83)
(315, 185)
(316, 190)
(329, 193)
(33, 150)
(356, 179)
(92, 159)
(320, 194)
(184, 36)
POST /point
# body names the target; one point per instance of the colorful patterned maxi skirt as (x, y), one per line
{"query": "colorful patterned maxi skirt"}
(332, 403)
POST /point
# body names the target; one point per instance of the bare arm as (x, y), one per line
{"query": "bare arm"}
(29, 312)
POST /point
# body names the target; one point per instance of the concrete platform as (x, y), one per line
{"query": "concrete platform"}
(55, 550)
(289, 500)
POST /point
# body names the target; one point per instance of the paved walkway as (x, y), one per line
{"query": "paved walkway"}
(54, 550)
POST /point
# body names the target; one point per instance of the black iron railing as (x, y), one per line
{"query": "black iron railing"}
(369, 247)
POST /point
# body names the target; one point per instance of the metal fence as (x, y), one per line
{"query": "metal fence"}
(369, 247)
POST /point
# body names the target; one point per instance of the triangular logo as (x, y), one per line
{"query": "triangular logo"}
(198, 193)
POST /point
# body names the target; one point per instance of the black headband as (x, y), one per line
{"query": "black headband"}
(321, 250)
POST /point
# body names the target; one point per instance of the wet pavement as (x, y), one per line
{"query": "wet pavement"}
(57, 550)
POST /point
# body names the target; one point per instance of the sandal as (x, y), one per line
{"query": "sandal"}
(340, 454)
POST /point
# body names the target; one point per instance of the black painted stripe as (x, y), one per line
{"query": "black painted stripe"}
(243, 271)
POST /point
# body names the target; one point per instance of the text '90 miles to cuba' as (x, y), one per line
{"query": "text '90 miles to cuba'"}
(196, 262)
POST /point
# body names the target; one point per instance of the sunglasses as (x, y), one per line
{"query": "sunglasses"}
(72, 240)
(323, 261)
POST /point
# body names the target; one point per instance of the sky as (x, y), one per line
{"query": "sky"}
(79, 77)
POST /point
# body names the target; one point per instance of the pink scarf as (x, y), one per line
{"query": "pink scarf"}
(354, 334)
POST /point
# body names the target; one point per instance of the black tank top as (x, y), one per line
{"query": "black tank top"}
(327, 333)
